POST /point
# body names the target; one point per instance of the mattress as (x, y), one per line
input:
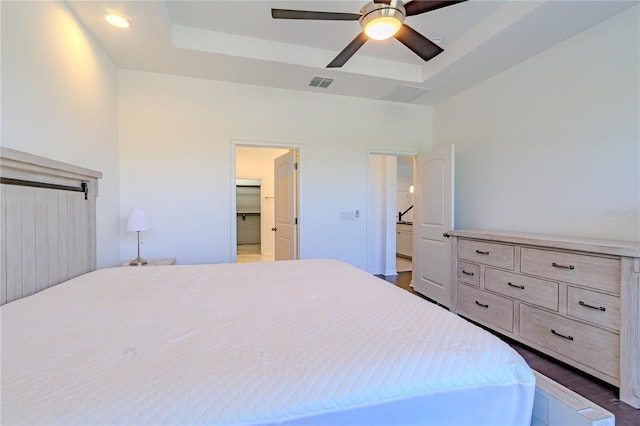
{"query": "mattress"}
(296, 342)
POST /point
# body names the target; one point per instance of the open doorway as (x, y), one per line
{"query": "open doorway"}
(258, 215)
(248, 227)
(404, 206)
(432, 217)
(390, 221)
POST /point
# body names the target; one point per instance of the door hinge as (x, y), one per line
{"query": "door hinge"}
(295, 166)
(295, 221)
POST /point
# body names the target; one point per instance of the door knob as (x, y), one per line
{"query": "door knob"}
(446, 235)
(273, 229)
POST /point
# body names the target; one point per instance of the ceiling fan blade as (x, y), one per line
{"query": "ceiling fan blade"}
(416, 7)
(349, 51)
(415, 41)
(308, 14)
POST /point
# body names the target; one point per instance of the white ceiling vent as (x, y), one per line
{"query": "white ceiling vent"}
(405, 93)
(320, 82)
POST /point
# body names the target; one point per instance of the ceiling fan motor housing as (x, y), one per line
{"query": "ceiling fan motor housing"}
(392, 12)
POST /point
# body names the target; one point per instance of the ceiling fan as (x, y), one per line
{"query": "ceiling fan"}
(380, 19)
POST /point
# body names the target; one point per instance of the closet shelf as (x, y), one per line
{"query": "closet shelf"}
(244, 215)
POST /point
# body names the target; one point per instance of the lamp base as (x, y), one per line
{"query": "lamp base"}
(138, 261)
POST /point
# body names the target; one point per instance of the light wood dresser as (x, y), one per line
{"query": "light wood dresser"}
(575, 300)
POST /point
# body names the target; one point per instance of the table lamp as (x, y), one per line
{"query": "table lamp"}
(138, 221)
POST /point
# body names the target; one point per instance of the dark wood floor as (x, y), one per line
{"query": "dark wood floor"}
(589, 387)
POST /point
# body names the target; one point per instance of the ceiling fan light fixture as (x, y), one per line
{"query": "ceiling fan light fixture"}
(382, 28)
(381, 21)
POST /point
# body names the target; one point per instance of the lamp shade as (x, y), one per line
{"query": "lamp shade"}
(138, 221)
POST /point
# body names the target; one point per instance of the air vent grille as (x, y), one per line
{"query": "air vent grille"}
(405, 93)
(320, 82)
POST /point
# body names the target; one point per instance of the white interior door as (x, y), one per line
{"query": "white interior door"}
(286, 228)
(432, 219)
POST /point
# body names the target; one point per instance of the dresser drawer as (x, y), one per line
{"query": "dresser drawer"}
(596, 308)
(588, 345)
(485, 307)
(531, 290)
(591, 271)
(469, 273)
(499, 255)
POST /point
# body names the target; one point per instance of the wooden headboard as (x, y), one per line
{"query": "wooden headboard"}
(47, 223)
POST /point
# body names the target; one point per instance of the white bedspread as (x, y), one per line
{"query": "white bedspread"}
(302, 342)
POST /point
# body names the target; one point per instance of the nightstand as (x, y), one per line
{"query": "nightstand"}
(156, 262)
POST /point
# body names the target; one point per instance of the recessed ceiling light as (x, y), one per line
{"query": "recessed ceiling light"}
(117, 20)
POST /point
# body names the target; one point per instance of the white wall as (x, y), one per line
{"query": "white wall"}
(176, 136)
(59, 100)
(552, 145)
(258, 163)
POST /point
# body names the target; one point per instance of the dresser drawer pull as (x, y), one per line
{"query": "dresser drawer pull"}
(482, 305)
(482, 252)
(586, 305)
(521, 287)
(468, 273)
(561, 335)
(557, 265)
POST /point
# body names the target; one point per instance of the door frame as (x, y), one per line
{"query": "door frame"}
(370, 152)
(235, 143)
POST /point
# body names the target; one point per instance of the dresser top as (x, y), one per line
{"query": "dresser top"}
(618, 248)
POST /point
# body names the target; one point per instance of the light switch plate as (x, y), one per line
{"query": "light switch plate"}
(347, 215)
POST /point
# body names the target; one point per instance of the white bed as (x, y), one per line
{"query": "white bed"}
(302, 342)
